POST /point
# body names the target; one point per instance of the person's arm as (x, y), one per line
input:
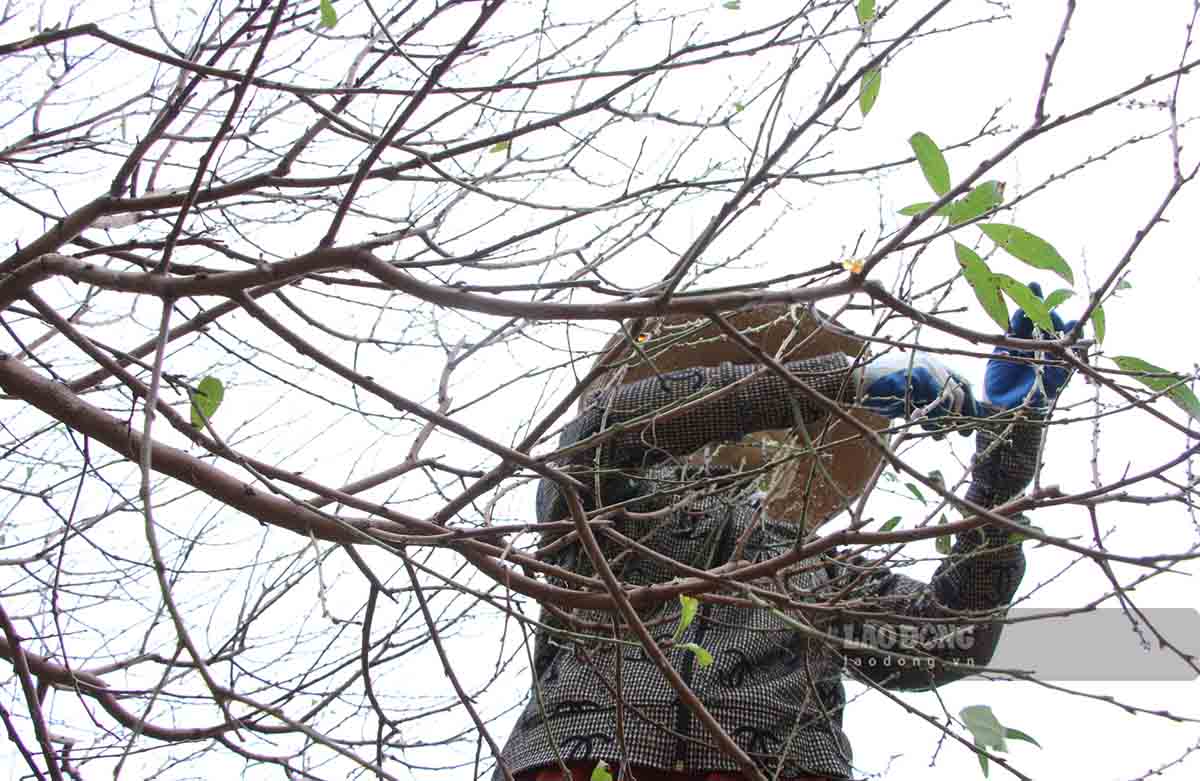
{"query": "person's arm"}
(664, 421)
(661, 417)
(677, 413)
(985, 566)
(981, 573)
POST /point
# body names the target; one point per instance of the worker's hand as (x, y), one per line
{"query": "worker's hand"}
(908, 385)
(1012, 379)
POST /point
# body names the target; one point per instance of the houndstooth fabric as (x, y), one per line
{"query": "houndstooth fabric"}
(776, 689)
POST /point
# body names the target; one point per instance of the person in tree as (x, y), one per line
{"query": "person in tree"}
(779, 651)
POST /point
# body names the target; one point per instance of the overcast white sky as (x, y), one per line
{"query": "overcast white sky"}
(948, 89)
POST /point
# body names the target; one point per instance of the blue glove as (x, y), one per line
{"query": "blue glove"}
(1008, 384)
(897, 385)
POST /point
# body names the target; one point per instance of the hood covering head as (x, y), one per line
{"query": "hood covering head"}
(809, 474)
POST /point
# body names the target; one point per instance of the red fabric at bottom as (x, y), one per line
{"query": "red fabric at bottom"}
(583, 772)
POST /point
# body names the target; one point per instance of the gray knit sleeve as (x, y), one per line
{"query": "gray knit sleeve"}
(980, 575)
(669, 416)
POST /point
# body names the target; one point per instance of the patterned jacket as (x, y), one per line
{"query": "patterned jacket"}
(775, 680)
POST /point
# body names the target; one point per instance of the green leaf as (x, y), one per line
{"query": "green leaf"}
(868, 90)
(500, 146)
(687, 613)
(915, 492)
(1124, 284)
(933, 165)
(206, 399)
(1028, 248)
(702, 654)
(979, 201)
(1055, 299)
(1166, 381)
(983, 282)
(988, 732)
(328, 15)
(943, 544)
(915, 208)
(732, 5)
(1098, 322)
(891, 523)
(1025, 298)
(601, 772)
(1016, 734)
(739, 106)
(985, 728)
(866, 11)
